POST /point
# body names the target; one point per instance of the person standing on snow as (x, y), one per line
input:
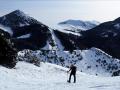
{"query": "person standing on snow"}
(72, 71)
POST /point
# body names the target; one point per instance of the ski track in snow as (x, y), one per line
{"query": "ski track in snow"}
(51, 77)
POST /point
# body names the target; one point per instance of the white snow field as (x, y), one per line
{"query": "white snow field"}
(92, 61)
(26, 76)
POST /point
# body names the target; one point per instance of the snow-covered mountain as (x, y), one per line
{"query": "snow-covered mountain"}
(105, 36)
(35, 35)
(25, 31)
(26, 76)
(32, 34)
(77, 25)
(57, 47)
(92, 61)
(17, 18)
(63, 48)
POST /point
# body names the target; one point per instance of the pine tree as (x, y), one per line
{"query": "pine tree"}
(7, 52)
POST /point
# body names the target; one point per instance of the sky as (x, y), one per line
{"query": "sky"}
(52, 12)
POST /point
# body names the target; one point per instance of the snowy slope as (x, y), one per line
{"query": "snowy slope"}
(53, 42)
(6, 29)
(92, 61)
(26, 76)
(24, 36)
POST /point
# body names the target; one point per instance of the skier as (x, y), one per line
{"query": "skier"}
(73, 70)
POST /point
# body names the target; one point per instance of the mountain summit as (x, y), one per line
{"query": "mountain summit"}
(25, 31)
(17, 18)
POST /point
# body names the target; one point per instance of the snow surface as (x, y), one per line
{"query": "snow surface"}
(53, 39)
(117, 26)
(47, 46)
(69, 32)
(6, 29)
(24, 36)
(92, 61)
(26, 76)
(56, 41)
(106, 34)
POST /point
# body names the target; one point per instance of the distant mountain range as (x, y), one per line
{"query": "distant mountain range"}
(28, 33)
(77, 25)
(93, 49)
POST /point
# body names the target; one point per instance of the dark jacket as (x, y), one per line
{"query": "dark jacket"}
(73, 69)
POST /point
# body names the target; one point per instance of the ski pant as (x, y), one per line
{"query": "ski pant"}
(74, 75)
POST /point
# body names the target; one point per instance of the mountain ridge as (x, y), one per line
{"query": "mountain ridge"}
(40, 35)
